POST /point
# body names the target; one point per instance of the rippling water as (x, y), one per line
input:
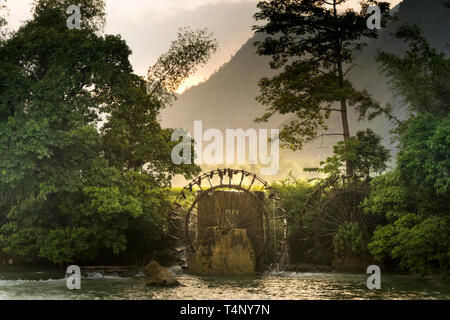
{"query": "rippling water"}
(19, 283)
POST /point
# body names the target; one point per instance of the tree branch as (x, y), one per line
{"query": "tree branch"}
(351, 67)
(330, 109)
(330, 134)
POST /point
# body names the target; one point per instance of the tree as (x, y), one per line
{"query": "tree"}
(47, 113)
(70, 192)
(316, 45)
(414, 199)
(92, 11)
(191, 49)
(424, 157)
(132, 137)
(421, 78)
(350, 240)
(364, 150)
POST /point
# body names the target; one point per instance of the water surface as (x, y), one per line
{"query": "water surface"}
(36, 283)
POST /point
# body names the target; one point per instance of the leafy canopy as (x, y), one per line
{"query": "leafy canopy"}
(191, 49)
(92, 11)
(84, 162)
(364, 150)
(414, 198)
(421, 78)
(314, 43)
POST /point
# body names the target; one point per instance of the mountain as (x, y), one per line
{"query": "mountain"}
(227, 99)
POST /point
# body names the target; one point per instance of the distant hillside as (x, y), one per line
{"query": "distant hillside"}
(227, 99)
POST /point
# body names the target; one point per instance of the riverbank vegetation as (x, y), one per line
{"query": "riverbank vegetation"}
(399, 217)
(84, 163)
(85, 167)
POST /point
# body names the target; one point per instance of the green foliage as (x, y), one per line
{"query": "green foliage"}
(424, 159)
(350, 240)
(415, 200)
(421, 78)
(389, 197)
(293, 193)
(421, 244)
(191, 49)
(313, 42)
(70, 190)
(92, 11)
(365, 151)
(415, 196)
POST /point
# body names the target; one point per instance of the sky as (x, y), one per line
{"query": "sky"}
(149, 26)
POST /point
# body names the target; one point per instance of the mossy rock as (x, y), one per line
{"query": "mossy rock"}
(159, 276)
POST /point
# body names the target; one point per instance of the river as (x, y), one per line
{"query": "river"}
(37, 283)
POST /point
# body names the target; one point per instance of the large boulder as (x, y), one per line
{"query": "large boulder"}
(159, 276)
(224, 254)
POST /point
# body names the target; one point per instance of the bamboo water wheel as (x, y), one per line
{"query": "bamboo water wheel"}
(228, 199)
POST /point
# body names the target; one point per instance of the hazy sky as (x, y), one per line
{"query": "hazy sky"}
(148, 26)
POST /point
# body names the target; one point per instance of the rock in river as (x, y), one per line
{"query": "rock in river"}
(159, 276)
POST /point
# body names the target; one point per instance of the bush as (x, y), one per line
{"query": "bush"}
(350, 240)
(421, 245)
(415, 200)
(293, 193)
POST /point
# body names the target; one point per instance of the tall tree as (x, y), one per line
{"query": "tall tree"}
(365, 151)
(316, 44)
(70, 192)
(414, 197)
(421, 77)
(132, 130)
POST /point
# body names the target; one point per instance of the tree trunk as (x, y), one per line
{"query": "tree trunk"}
(344, 117)
(346, 131)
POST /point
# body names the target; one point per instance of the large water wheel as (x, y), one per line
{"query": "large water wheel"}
(229, 199)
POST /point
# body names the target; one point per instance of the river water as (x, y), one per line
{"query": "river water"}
(35, 283)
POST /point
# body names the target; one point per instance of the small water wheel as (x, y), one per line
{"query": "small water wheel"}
(228, 199)
(328, 207)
